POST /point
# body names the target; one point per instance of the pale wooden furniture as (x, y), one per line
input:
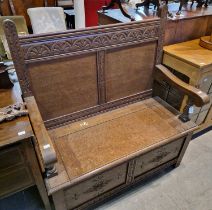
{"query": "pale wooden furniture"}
(194, 61)
(99, 129)
(19, 167)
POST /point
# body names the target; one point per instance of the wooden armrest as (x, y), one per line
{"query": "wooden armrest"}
(46, 147)
(198, 97)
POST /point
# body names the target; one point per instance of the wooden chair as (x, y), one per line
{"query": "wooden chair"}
(89, 96)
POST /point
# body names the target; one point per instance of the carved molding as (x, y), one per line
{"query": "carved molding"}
(66, 44)
(77, 116)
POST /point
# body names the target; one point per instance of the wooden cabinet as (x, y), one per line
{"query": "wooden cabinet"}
(194, 63)
(19, 168)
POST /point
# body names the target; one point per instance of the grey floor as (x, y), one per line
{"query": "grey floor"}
(188, 187)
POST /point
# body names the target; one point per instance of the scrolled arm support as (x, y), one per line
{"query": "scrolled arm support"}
(196, 96)
(45, 145)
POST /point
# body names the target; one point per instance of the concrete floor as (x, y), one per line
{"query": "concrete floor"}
(188, 187)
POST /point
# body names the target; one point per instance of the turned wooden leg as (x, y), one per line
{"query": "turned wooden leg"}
(33, 162)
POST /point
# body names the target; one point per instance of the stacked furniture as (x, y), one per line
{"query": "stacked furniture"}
(98, 128)
(47, 19)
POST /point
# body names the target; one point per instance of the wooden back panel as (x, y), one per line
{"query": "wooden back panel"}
(76, 74)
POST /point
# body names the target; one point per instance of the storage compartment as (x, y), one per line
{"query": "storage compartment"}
(95, 186)
(158, 156)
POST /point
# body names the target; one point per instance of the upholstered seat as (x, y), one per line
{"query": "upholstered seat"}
(47, 19)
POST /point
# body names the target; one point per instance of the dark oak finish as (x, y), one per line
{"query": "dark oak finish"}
(97, 105)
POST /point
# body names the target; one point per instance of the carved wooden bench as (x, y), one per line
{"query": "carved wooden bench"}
(89, 96)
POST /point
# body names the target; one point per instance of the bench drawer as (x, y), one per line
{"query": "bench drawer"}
(95, 186)
(158, 156)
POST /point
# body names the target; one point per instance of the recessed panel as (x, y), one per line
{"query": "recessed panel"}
(129, 70)
(64, 86)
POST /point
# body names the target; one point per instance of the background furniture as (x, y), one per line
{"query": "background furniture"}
(19, 7)
(70, 18)
(192, 24)
(19, 166)
(91, 8)
(21, 28)
(80, 84)
(47, 19)
(65, 3)
(195, 62)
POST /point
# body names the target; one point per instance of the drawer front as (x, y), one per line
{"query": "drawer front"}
(15, 180)
(10, 157)
(95, 186)
(158, 156)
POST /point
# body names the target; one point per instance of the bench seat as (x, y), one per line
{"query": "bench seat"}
(90, 96)
(111, 138)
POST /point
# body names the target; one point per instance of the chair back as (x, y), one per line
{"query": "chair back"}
(47, 19)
